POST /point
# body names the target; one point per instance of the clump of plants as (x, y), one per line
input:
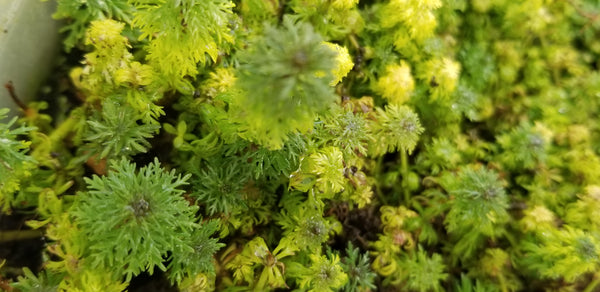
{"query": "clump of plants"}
(314, 145)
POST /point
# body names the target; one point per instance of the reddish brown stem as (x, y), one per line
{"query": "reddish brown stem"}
(11, 91)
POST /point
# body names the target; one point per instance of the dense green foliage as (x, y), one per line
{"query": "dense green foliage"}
(316, 145)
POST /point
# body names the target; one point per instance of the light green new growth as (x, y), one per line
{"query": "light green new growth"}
(397, 128)
(285, 78)
(181, 34)
(323, 274)
(80, 13)
(568, 253)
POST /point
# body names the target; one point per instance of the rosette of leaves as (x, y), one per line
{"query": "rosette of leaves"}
(422, 272)
(198, 260)
(321, 172)
(440, 154)
(478, 210)
(305, 226)
(117, 132)
(133, 219)
(397, 223)
(525, 147)
(357, 266)
(256, 255)
(344, 129)
(220, 187)
(396, 128)
(569, 253)
(328, 167)
(285, 76)
(325, 273)
(442, 76)
(110, 55)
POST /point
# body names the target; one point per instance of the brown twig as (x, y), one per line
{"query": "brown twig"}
(11, 91)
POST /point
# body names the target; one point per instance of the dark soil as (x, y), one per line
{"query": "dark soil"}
(18, 253)
(157, 282)
(359, 226)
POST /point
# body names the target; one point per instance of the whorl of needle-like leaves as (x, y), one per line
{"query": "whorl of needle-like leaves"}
(357, 266)
(133, 219)
(117, 132)
(478, 210)
(220, 187)
(480, 201)
(285, 77)
(324, 274)
(423, 272)
(568, 252)
(525, 147)
(397, 128)
(343, 128)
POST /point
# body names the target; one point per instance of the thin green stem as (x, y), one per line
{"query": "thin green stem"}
(502, 282)
(404, 173)
(59, 134)
(378, 168)
(14, 235)
(64, 129)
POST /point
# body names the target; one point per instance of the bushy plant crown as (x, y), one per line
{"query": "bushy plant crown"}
(311, 145)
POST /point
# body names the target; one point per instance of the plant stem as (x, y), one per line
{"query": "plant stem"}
(377, 174)
(64, 129)
(11, 91)
(404, 173)
(14, 235)
(56, 137)
(502, 281)
(380, 194)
